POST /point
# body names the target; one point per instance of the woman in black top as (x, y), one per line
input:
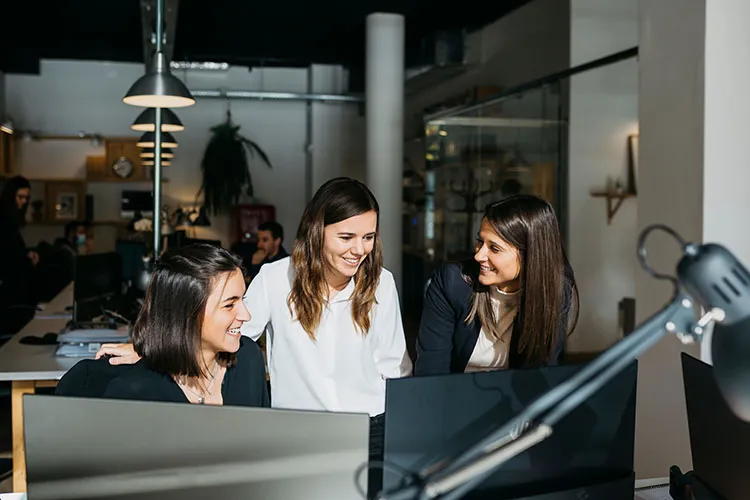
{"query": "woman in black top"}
(188, 335)
(511, 306)
(17, 262)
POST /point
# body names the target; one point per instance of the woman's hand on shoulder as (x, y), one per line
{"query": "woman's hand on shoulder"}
(120, 354)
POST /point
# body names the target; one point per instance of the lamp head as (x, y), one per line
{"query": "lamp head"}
(159, 88)
(715, 278)
(145, 122)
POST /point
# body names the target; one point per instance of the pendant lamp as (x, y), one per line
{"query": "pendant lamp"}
(147, 140)
(166, 153)
(146, 120)
(159, 88)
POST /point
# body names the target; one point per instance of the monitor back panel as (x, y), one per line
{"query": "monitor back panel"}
(434, 417)
(84, 448)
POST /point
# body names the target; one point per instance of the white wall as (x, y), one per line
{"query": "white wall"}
(693, 122)
(338, 131)
(603, 111)
(69, 96)
(671, 192)
(530, 42)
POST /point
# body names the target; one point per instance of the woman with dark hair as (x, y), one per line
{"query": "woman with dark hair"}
(512, 306)
(188, 335)
(16, 261)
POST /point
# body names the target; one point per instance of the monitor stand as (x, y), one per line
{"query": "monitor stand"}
(689, 486)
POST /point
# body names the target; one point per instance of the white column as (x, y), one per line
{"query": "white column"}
(693, 109)
(385, 124)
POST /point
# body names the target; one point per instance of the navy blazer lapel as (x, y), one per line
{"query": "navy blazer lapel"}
(470, 336)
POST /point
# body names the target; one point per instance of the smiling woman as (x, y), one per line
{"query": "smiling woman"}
(188, 335)
(512, 306)
(335, 324)
(335, 333)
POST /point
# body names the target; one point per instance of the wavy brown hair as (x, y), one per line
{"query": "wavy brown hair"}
(336, 200)
(549, 296)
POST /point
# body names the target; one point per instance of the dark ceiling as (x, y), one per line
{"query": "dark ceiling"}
(244, 32)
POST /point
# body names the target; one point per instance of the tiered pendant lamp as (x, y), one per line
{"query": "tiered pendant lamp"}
(158, 89)
(146, 120)
(166, 153)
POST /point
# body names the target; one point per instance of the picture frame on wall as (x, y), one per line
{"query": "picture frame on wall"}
(633, 163)
(66, 206)
(65, 201)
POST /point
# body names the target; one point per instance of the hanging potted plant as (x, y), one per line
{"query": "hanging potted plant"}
(226, 172)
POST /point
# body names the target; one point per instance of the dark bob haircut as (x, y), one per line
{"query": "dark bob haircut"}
(167, 333)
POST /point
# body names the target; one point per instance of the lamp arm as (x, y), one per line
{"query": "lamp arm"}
(535, 423)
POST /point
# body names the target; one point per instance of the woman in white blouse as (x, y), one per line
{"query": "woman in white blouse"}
(332, 312)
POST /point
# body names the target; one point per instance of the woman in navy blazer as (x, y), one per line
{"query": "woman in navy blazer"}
(512, 306)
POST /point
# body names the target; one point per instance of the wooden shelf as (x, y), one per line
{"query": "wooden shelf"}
(91, 181)
(114, 222)
(56, 179)
(123, 181)
(614, 201)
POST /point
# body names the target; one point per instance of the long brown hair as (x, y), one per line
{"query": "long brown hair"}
(549, 295)
(336, 200)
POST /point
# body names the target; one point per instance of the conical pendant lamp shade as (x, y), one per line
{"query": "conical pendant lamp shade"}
(147, 119)
(158, 88)
(147, 140)
(149, 153)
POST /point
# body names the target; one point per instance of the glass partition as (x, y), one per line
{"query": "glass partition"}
(484, 154)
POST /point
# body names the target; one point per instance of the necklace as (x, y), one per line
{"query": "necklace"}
(207, 392)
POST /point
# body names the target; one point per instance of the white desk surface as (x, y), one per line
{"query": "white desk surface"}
(38, 362)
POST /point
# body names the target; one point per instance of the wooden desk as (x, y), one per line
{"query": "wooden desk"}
(30, 366)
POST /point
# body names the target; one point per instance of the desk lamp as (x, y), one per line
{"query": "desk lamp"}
(708, 275)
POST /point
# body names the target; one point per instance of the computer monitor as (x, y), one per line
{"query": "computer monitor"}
(98, 279)
(719, 441)
(132, 253)
(132, 202)
(590, 452)
(100, 448)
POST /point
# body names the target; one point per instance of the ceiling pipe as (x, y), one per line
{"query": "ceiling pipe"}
(276, 96)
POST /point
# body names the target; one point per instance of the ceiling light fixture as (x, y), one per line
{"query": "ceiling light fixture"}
(148, 140)
(149, 153)
(159, 88)
(169, 121)
(7, 127)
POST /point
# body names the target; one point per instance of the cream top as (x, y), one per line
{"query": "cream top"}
(490, 353)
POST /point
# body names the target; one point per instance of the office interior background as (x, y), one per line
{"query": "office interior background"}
(550, 97)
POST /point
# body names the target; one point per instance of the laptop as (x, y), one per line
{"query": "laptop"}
(589, 455)
(719, 441)
(116, 449)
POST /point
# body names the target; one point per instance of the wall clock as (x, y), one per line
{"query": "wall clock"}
(122, 167)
